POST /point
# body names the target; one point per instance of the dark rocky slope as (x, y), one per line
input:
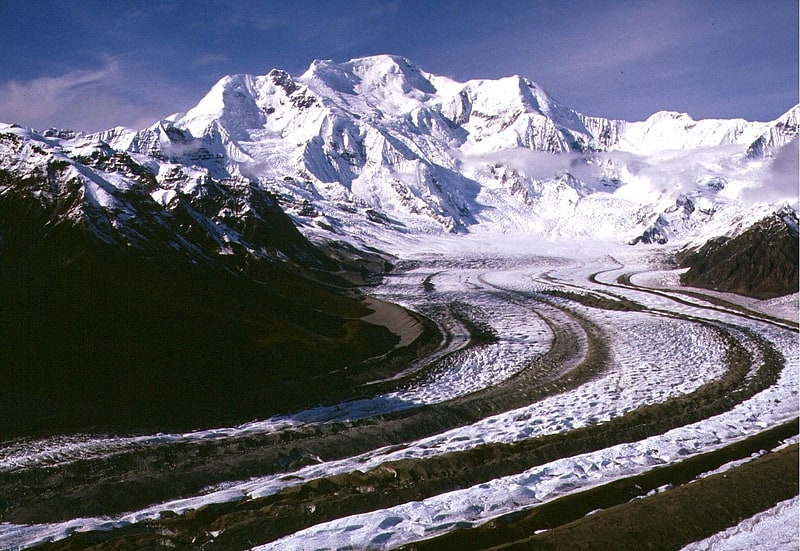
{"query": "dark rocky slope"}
(144, 325)
(762, 262)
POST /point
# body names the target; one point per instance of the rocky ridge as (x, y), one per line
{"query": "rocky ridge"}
(380, 135)
(761, 262)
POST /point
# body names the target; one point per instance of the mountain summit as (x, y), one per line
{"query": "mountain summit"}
(381, 140)
(378, 142)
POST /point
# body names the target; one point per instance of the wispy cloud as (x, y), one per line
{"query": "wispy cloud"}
(42, 99)
(211, 59)
(782, 179)
(82, 99)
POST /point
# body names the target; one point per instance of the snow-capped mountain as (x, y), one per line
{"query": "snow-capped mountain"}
(128, 202)
(374, 142)
(777, 134)
(196, 284)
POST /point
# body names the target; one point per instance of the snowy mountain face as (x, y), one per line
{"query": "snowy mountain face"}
(376, 144)
(777, 135)
(131, 202)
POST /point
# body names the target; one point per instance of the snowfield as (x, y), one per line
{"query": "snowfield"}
(668, 349)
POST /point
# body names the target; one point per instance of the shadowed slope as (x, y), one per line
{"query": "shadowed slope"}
(92, 334)
(761, 262)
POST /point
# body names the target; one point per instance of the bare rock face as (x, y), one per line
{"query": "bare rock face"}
(761, 262)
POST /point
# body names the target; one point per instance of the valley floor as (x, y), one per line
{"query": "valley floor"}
(572, 388)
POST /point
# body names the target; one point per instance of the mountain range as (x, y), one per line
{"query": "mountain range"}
(284, 187)
(377, 140)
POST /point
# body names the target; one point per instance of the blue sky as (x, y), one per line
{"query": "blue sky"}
(91, 65)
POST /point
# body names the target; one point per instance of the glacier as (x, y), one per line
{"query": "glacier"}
(489, 193)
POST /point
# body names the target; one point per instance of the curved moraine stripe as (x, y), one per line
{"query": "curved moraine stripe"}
(551, 402)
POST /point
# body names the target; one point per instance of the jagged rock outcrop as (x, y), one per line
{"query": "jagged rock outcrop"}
(778, 134)
(761, 262)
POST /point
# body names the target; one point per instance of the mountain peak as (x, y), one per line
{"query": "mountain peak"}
(230, 101)
(347, 140)
(390, 74)
(666, 116)
(383, 60)
(382, 64)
